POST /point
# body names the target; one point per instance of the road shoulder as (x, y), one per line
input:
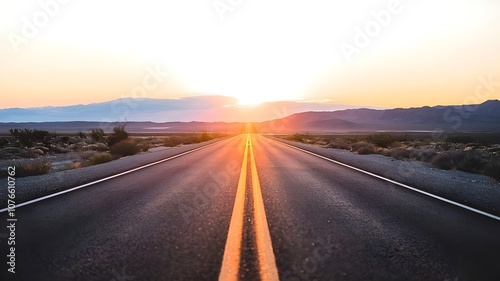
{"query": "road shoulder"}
(473, 190)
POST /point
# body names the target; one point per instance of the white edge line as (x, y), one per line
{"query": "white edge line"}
(398, 183)
(107, 178)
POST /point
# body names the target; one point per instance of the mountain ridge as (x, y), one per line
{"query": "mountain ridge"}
(194, 108)
(479, 117)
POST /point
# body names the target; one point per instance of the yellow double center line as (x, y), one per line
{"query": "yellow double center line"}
(232, 252)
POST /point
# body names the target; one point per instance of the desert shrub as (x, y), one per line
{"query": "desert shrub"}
(299, 138)
(172, 141)
(205, 136)
(96, 146)
(473, 162)
(97, 135)
(119, 134)
(124, 148)
(399, 153)
(189, 139)
(4, 142)
(99, 158)
(447, 160)
(492, 168)
(423, 154)
(33, 168)
(355, 147)
(144, 146)
(26, 137)
(382, 151)
(86, 155)
(383, 140)
(366, 150)
(339, 145)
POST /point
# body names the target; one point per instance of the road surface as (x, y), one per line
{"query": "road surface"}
(249, 208)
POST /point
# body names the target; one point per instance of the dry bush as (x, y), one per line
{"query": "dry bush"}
(86, 155)
(492, 169)
(399, 153)
(299, 138)
(384, 140)
(423, 154)
(124, 148)
(473, 162)
(339, 145)
(447, 160)
(366, 150)
(364, 146)
(33, 168)
(172, 141)
(96, 147)
(99, 158)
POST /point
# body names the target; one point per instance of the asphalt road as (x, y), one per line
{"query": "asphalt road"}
(249, 209)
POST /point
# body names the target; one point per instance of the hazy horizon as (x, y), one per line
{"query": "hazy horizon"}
(187, 109)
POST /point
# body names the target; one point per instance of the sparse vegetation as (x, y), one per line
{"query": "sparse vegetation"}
(479, 154)
(205, 136)
(97, 135)
(447, 160)
(492, 169)
(172, 141)
(33, 168)
(175, 140)
(363, 148)
(299, 137)
(119, 134)
(124, 148)
(40, 152)
(383, 140)
(27, 137)
(100, 157)
(423, 154)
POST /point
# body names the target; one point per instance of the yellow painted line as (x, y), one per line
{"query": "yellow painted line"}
(267, 262)
(232, 251)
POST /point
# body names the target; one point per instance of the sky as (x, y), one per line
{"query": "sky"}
(362, 52)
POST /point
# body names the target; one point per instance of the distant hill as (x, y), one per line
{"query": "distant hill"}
(482, 117)
(186, 109)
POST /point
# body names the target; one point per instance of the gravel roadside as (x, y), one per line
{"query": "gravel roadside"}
(28, 188)
(473, 190)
